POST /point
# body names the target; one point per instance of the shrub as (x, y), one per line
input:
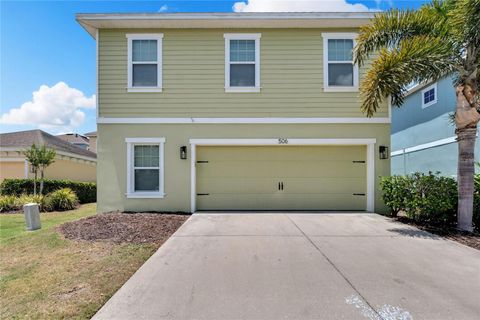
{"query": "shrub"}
(11, 203)
(85, 191)
(30, 198)
(61, 200)
(476, 204)
(7, 203)
(427, 198)
(395, 191)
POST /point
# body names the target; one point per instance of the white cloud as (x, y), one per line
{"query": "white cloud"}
(58, 107)
(298, 6)
(163, 8)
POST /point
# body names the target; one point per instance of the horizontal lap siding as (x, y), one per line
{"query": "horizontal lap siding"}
(291, 71)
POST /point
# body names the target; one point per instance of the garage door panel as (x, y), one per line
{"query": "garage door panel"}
(291, 169)
(273, 153)
(313, 178)
(290, 185)
(254, 201)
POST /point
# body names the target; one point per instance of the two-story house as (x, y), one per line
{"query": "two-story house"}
(423, 133)
(234, 111)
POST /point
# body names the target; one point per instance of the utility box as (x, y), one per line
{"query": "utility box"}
(32, 216)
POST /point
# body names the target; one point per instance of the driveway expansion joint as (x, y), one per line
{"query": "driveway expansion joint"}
(335, 267)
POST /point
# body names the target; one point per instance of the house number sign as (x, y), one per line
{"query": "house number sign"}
(282, 141)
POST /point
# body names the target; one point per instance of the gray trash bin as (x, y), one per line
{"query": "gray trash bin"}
(32, 216)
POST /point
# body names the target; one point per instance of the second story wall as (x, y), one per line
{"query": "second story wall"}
(193, 76)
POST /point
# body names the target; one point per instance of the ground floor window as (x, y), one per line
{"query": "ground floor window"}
(145, 167)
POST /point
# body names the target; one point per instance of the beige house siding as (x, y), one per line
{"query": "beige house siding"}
(63, 168)
(12, 170)
(112, 156)
(291, 77)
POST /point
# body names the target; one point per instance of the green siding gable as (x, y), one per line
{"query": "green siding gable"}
(291, 77)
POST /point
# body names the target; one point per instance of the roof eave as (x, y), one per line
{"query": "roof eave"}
(94, 21)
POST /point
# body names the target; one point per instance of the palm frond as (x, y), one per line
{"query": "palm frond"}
(417, 58)
(387, 29)
(465, 20)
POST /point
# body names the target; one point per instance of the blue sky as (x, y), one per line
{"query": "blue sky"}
(41, 44)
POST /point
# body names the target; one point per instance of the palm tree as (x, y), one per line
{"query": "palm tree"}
(439, 39)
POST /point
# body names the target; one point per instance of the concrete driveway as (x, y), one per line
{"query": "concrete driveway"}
(301, 266)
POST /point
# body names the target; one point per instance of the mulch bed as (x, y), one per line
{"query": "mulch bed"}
(467, 238)
(124, 227)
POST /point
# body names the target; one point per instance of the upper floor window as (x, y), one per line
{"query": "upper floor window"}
(339, 71)
(145, 167)
(429, 95)
(242, 62)
(144, 62)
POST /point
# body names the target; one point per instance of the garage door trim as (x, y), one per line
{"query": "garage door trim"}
(370, 143)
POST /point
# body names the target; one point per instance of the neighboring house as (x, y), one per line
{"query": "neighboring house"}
(71, 162)
(230, 111)
(423, 133)
(92, 140)
(76, 139)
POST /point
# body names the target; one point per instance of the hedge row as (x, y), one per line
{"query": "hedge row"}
(429, 198)
(85, 191)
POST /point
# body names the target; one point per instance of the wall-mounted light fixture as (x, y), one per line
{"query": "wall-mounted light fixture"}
(183, 152)
(383, 152)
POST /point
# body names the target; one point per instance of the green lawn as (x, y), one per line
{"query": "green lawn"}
(43, 275)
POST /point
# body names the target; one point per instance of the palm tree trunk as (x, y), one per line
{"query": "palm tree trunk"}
(466, 119)
(466, 170)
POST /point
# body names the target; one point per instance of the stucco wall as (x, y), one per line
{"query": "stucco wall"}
(413, 125)
(62, 168)
(112, 156)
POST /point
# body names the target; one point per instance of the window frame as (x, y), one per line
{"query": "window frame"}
(338, 36)
(242, 36)
(425, 90)
(144, 36)
(131, 143)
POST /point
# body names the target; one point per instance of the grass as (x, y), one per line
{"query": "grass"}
(43, 275)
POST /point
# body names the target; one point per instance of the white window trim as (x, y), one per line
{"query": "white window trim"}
(338, 36)
(426, 105)
(131, 193)
(242, 36)
(145, 36)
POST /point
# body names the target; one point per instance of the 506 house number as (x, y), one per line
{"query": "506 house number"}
(282, 141)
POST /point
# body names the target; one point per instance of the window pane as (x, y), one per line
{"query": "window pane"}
(144, 50)
(340, 49)
(242, 50)
(144, 75)
(429, 96)
(340, 74)
(242, 75)
(146, 156)
(147, 180)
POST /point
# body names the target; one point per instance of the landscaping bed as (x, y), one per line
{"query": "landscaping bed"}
(467, 238)
(45, 275)
(124, 227)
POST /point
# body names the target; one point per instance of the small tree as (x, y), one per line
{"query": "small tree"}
(39, 159)
(32, 156)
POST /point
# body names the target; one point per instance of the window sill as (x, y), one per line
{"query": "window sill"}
(340, 89)
(146, 89)
(431, 103)
(145, 195)
(242, 89)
